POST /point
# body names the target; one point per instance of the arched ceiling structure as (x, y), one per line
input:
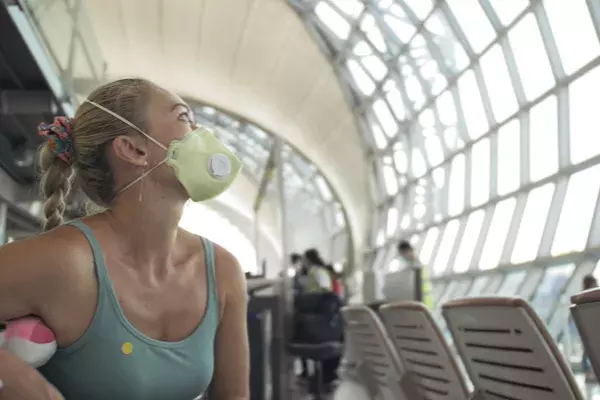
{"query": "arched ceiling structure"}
(254, 59)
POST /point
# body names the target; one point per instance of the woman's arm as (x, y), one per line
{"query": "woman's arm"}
(20, 381)
(30, 274)
(232, 359)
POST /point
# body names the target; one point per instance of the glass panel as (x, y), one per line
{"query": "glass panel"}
(384, 115)
(378, 137)
(572, 25)
(453, 53)
(418, 163)
(498, 83)
(511, 284)
(473, 22)
(532, 60)
(372, 63)
(468, 241)
(363, 81)
(394, 98)
(480, 172)
(543, 139)
(533, 224)
(472, 105)
(392, 221)
(397, 21)
(496, 237)
(456, 191)
(446, 246)
(585, 140)
(549, 289)
(352, 8)
(478, 286)
(421, 8)
(429, 244)
(334, 21)
(507, 11)
(389, 177)
(577, 211)
(509, 147)
(323, 188)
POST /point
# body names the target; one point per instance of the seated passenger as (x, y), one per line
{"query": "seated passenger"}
(406, 273)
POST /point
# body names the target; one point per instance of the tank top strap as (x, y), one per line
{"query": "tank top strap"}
(99, 261)
(211, 281)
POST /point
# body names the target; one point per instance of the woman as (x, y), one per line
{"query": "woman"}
(140, 308)
(319, 278)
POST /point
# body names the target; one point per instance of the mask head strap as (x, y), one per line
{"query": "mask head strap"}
(117, 116)
(159, 144)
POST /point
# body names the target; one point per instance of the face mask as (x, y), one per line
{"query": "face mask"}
(204, 166)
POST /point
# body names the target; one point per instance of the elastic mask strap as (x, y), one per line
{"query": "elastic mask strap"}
(145, 174)
(117, 116)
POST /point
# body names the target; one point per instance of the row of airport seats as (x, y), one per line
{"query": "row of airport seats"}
(505, 347)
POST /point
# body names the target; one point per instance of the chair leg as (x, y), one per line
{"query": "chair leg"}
(318, 380)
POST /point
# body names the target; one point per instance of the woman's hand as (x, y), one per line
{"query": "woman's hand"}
(21, 381)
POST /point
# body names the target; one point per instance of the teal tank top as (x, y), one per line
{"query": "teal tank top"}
(114, 361)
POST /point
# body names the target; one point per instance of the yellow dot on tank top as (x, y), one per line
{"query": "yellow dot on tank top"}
(127, 348)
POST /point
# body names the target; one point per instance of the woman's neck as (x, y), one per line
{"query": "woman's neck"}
(147, 225)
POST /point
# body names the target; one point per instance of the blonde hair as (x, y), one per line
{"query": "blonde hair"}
(91, 131)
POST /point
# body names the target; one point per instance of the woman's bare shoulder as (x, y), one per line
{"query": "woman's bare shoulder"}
(35, 271)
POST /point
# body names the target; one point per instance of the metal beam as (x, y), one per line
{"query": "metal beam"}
(13, 102)
(267, 177)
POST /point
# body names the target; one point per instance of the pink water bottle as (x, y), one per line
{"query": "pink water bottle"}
(30, 340)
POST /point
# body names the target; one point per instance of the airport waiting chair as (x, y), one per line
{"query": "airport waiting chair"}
(507, 350)
(380, 368)
(586, 314)
(424, 351)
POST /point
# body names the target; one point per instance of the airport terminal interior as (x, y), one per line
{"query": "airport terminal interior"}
(462, 130)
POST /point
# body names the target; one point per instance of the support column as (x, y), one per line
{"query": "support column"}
(3, 222)
(285, 295)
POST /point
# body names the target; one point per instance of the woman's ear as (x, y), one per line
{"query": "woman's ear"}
(132, 150)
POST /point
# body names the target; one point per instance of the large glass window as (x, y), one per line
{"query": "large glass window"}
(496, 237)
(585, 140)
(480, 175)
(550, 288)
(509, 161)
(543, 139)
(468, 241)
(532, 61)
(511, 284)
(456, 193)
(472, 105)
(533, 224)
(463, 104)
(577, 211)
(429, 245)
(446, 246)
(570, 25)
(497, 81)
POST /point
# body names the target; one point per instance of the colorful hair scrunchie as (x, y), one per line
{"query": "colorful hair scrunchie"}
(58, 134)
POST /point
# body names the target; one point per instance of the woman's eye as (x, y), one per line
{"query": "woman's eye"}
(185, 117)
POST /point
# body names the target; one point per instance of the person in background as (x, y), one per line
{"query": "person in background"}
(589, 282)
(337, 286)
(408, 279)
(319, 278)
(301, 274)
(409, 259)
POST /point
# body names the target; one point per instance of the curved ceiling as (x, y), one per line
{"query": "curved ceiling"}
(253, 58)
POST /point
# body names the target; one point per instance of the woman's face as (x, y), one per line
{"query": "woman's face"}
(169, 118)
